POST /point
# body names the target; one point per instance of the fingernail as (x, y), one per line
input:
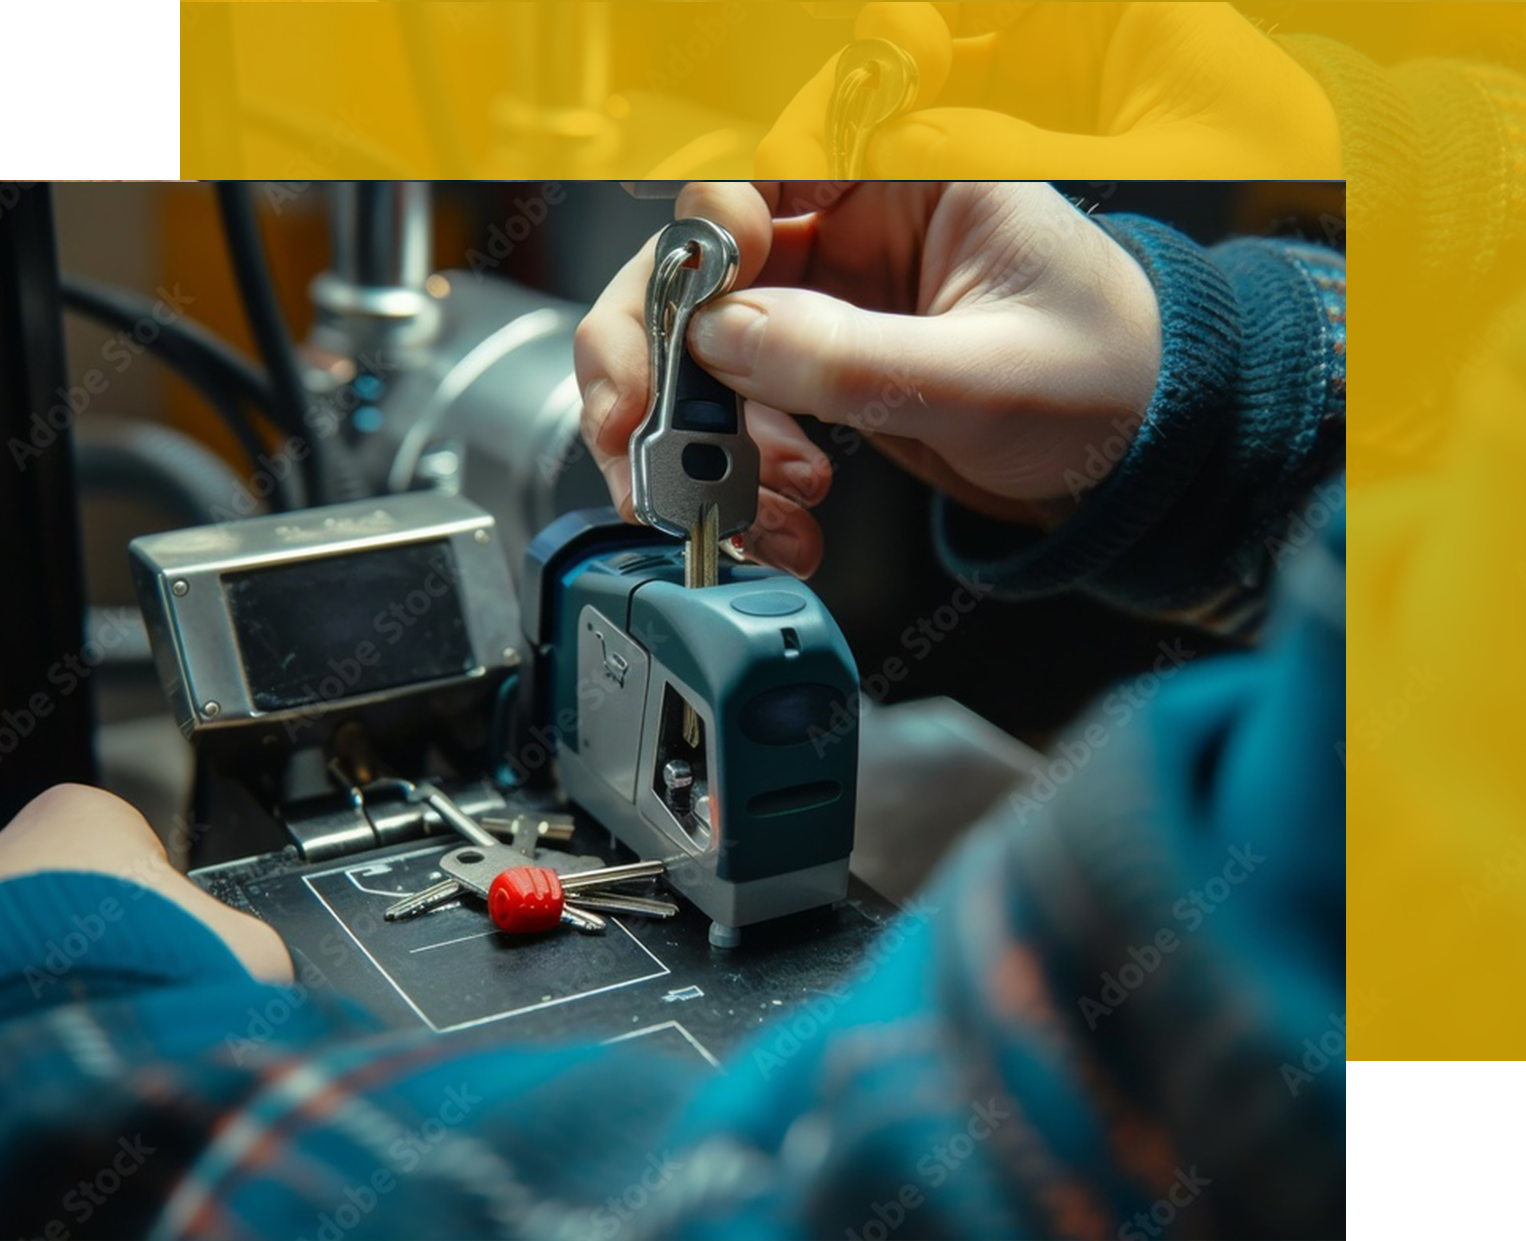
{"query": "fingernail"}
(729, 336)
(804, 479)
(779, 549)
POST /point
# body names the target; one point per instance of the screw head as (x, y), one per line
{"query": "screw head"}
(482, 536)
(210, 709)
(181, 587)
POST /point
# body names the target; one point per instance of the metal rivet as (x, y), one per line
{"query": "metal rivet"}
(181, 587)
(510, 657)
(210, 710)
(482, 536)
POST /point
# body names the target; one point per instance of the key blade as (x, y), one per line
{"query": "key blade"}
(620, 903)
(611, 874)
(430, 898)
(583, 919)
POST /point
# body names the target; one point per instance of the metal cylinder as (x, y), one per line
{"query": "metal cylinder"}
(380, 233)
(380, 253)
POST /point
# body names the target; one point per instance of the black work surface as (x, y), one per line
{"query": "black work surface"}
(451, 970)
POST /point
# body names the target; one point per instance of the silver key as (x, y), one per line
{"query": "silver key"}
(583, 919)
(454, 817)
(527, 830)
(694, 468)
(476, 868)
(430, 898)
(623, 903)
(607, 875)
(877, 80)
(692, 451)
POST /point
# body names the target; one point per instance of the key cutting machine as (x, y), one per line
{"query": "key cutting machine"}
(755, 818)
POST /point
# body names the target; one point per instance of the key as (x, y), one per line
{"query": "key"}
(694, 468)
(452, 814)
(607, 875)
(527, 830)
(477, 868)
(528, 899)
(623, 903)
(430, 898)
(877, 80)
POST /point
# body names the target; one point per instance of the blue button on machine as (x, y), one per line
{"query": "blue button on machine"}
(768, 603)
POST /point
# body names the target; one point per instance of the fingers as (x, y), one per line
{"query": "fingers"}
(974, 143)
(797, 142)
(738, 207)
(784, 535)
(794, 474)
(808, 353)
(611, 351)
(790, 463)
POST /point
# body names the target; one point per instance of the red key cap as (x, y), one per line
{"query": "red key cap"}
(526, 899)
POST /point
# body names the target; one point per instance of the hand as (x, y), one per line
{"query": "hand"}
(994, 335)
(1077, 91)
(72, 827)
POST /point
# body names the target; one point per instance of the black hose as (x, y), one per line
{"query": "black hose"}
(217, 371)
(162, 466)
(247, 251)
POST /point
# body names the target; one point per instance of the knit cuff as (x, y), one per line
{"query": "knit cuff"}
(1380, 149)
(1200, 341)
(72, 935)
(1435, 143)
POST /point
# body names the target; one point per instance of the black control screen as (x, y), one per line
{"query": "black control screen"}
(332, 628)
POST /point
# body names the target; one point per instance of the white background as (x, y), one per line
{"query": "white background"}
(92, 92)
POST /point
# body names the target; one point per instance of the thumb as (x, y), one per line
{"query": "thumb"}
(805, 352)
(970, 143)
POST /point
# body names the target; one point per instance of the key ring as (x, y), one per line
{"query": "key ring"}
(696, 260)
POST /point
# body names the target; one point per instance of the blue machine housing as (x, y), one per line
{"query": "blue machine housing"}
(621, 646)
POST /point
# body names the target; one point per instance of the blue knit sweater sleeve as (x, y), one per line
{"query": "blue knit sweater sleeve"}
(1247, 418)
